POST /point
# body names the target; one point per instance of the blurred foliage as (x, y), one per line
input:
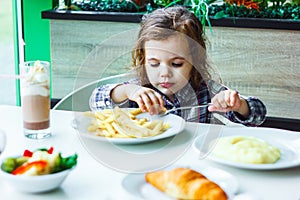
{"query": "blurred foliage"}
(286, 11)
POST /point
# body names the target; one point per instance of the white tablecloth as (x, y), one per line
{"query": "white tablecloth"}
(93, 180)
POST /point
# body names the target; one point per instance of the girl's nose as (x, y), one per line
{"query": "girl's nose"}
(165, 71)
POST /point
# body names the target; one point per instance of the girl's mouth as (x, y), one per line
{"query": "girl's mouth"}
(166, 85)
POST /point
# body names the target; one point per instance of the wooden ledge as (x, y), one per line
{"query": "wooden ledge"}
(93, 16)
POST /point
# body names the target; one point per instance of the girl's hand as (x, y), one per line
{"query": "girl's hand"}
(229, 100)
(146, 98)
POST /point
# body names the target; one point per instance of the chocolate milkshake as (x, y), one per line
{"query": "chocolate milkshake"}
(35, 94)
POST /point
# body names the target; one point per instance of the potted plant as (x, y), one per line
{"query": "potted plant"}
(234, 13)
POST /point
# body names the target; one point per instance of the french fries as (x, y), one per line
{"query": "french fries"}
(122, 124)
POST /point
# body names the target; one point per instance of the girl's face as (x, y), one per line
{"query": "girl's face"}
(167, 64)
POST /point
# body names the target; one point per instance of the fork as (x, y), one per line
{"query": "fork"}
(183, 108)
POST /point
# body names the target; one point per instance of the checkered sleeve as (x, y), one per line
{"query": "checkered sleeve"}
(100, 98)
(257, 114)
(257, 108)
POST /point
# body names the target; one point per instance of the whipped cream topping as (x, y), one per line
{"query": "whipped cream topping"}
(37, 74)
(36, 81)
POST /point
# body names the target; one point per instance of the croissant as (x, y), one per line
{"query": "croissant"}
(184, 183)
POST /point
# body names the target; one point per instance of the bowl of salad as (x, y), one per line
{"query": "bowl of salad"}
(37, 171)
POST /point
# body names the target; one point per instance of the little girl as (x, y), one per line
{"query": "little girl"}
(171, 63)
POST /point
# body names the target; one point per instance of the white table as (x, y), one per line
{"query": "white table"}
(93, 180)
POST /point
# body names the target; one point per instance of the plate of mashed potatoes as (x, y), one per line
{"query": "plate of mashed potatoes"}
(252, 148)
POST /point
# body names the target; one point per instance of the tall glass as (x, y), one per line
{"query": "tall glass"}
(2, 141)
(35, 99)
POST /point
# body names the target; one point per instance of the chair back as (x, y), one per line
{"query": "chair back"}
(78, 100)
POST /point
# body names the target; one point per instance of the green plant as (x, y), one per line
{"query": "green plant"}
(203, 9)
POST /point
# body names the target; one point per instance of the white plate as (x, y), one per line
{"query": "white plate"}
(177, 124)
(287, 141)
(136, 185)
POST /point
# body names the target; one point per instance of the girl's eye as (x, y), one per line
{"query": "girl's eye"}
(177, 64)
(154, 64)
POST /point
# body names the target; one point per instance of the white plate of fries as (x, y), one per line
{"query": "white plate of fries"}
(126, 126)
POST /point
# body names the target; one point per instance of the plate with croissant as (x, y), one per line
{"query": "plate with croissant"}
(182, 183)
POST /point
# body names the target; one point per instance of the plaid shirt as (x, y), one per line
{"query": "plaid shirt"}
(100, 99)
